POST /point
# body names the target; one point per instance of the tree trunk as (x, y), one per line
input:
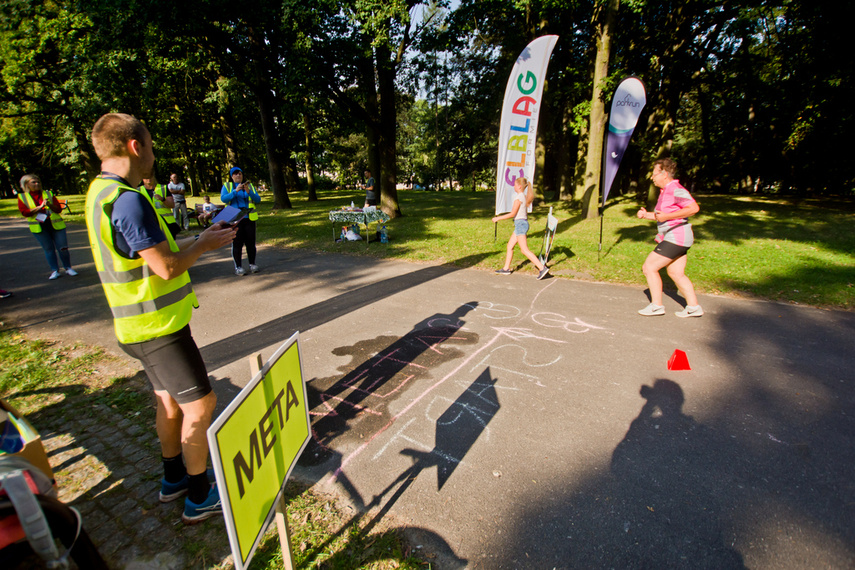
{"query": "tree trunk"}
(589, 189)
(371, 108)
(87, 154)
(292, 179)
(388, 133)
(192, 174)
(565, 164)
(272, 145)
(310, 154)
(229, 141)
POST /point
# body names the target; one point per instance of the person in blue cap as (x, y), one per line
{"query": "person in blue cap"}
(241, 194)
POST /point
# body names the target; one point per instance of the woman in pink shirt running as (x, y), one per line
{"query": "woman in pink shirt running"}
(674, 239)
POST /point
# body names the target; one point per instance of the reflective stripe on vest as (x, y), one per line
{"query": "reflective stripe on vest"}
(30, 202)
(253, 213)
(144, 305)
(166, 213)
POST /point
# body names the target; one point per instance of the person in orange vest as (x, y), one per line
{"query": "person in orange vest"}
(41, 209)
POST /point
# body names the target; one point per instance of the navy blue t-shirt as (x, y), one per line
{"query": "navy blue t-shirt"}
(136, 223)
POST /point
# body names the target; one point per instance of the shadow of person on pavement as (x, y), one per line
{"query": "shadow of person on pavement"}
(664, 465)
(457, 429)
(358, 402)
(665, 502)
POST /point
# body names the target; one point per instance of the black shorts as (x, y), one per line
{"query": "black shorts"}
(670, 250)
(173, 364)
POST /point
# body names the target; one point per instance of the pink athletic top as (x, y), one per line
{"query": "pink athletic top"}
(678, 231)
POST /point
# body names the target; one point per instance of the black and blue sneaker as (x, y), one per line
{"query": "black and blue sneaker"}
(171, 491)
(210, 507)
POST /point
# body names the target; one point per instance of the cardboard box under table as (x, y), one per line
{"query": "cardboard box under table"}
(358, 216)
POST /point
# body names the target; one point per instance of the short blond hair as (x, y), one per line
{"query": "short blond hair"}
(111, 134)
(25, 179)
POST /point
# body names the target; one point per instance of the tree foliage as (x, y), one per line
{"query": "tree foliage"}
(747, 95)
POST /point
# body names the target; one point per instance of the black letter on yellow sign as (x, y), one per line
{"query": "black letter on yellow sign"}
(292, 399)
(267, 441)
(240, 462)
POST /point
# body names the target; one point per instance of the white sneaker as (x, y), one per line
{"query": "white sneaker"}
(70, 272)
(54, 275)
(240, 271)
(652, 310)
(690, 311)
(253, 268)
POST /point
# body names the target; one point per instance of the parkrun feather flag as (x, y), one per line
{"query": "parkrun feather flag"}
(520, 113)
(627, 103)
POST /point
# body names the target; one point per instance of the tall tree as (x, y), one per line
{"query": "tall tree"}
(588, 190)
(365, 42)
(54, 64)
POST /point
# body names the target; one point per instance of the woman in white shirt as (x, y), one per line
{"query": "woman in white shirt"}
(523, 197)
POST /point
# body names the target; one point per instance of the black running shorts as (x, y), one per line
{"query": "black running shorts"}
(670, 250)
(173, 364)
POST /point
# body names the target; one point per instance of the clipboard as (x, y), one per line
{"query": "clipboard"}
(230, 215)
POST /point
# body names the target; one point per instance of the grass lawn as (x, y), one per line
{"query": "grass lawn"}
(770, 248)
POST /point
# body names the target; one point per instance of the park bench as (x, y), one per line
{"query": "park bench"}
(194, 213)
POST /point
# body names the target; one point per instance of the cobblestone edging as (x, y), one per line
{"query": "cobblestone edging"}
(108, 467)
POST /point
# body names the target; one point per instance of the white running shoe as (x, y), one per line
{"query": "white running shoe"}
(54, 275)
(240, 271)
(253, 268)
(690, 311)
(652, 310)
(70, 272)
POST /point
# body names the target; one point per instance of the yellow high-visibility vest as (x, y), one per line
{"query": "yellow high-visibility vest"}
(165, 212)
(35, 226)
(145, 306)
(253, 213)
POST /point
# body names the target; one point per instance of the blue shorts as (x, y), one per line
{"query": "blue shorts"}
(520, 227)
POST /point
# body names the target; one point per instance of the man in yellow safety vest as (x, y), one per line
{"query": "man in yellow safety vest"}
(163, 202)
(143, 271)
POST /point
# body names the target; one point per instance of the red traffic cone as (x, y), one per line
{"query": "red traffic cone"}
(679, 361)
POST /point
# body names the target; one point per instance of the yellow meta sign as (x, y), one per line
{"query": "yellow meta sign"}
(254, 445)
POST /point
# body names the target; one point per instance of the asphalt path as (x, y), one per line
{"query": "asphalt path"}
(506, 422)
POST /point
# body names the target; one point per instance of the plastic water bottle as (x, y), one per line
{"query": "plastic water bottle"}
(352, 206)
(384, 236)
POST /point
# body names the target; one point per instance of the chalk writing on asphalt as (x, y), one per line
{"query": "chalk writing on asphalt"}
(518, 354)
(557, 320)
